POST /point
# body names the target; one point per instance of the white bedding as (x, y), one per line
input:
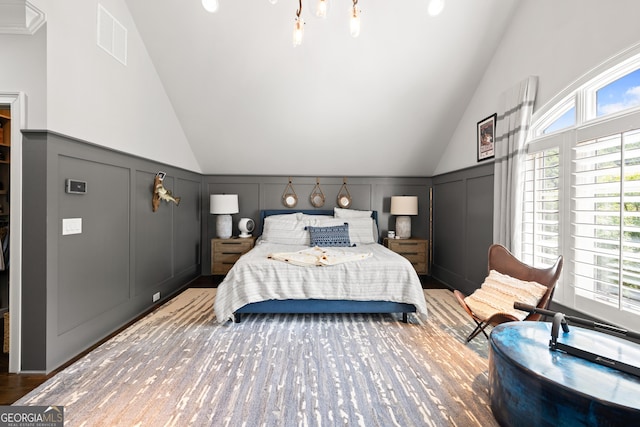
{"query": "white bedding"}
(383, 276)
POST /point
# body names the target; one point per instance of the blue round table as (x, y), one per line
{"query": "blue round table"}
(531, 385)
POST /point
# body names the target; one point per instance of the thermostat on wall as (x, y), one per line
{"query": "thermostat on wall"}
(74, 186)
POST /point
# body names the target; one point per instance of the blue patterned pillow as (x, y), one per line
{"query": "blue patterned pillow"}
(337, 235)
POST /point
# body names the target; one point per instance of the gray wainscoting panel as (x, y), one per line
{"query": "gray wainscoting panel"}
(187, 225)
(154, 235)
(93, 272)
(34, 248)
(420, 222)
(79, 288)
(479, 227)
(462, 226)
(449, 225)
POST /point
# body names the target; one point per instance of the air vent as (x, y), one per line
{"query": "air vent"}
(112, 35)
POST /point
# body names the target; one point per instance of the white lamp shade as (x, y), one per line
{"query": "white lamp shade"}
(222, 204)
(404, 205)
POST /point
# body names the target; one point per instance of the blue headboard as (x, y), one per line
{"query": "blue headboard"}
(269, 212)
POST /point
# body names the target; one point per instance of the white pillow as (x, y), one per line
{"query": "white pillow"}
(361, 230)
(362, 236)
(498, 293)
(289, 229)
(318, 220)
(351, 213)
(321, 220)
(285, 229)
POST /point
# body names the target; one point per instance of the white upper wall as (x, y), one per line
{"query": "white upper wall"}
(558, 41)
(75, 88)
(23, 69)
(92, 96)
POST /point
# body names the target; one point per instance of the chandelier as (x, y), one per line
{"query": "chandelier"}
(435, 7)
(321, 12)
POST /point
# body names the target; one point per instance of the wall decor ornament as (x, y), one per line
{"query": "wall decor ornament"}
(317, 196)
(486, 138)
(161, 193)
(289, 197)
(344, 197)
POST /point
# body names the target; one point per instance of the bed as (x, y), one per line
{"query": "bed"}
(363, 277)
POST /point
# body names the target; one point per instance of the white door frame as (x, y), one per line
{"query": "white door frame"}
(18, 104)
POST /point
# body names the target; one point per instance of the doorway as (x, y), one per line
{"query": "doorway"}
(13, 120)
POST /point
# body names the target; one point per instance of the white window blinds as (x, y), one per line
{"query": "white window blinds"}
(606, 220)
(541, 215)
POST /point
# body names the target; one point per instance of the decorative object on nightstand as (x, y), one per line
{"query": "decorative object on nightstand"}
(403, 206)
(289, 197)
(344, 197)
(246, 226)
(223, 205)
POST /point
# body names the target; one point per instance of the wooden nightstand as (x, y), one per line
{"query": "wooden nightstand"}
(225, 252)
(415, 250)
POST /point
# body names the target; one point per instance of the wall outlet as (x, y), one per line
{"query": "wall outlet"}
(156, 296)
(71, 226)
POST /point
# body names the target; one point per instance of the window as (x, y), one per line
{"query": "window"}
(582, 192)
(541, 220)
(619, 95)
(566, 120)
(606, 212)
(561, 115)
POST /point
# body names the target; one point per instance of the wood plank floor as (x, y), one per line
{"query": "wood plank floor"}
(14, 386)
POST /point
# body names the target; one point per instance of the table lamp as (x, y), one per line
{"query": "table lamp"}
(223, 205)
(404, 206)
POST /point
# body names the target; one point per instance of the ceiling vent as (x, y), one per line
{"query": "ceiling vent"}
(20, 17)
(112, 35)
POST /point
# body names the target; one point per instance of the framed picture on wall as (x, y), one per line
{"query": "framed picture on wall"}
(486, 137)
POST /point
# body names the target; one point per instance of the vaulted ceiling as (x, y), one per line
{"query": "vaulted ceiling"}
(383, 104)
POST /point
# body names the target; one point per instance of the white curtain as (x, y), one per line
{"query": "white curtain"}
(512, 128)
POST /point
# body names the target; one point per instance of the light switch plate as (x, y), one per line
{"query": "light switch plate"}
(71, 226)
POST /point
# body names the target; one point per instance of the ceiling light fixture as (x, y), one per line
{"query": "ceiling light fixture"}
(435, 7)
(321, 11)
(210, 6)
(355, 20)
(298, 28)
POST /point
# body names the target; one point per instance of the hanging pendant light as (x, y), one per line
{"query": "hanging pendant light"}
(210, 6)
(298, 28)
(355, 20)
(435, 7)
(321, 11)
